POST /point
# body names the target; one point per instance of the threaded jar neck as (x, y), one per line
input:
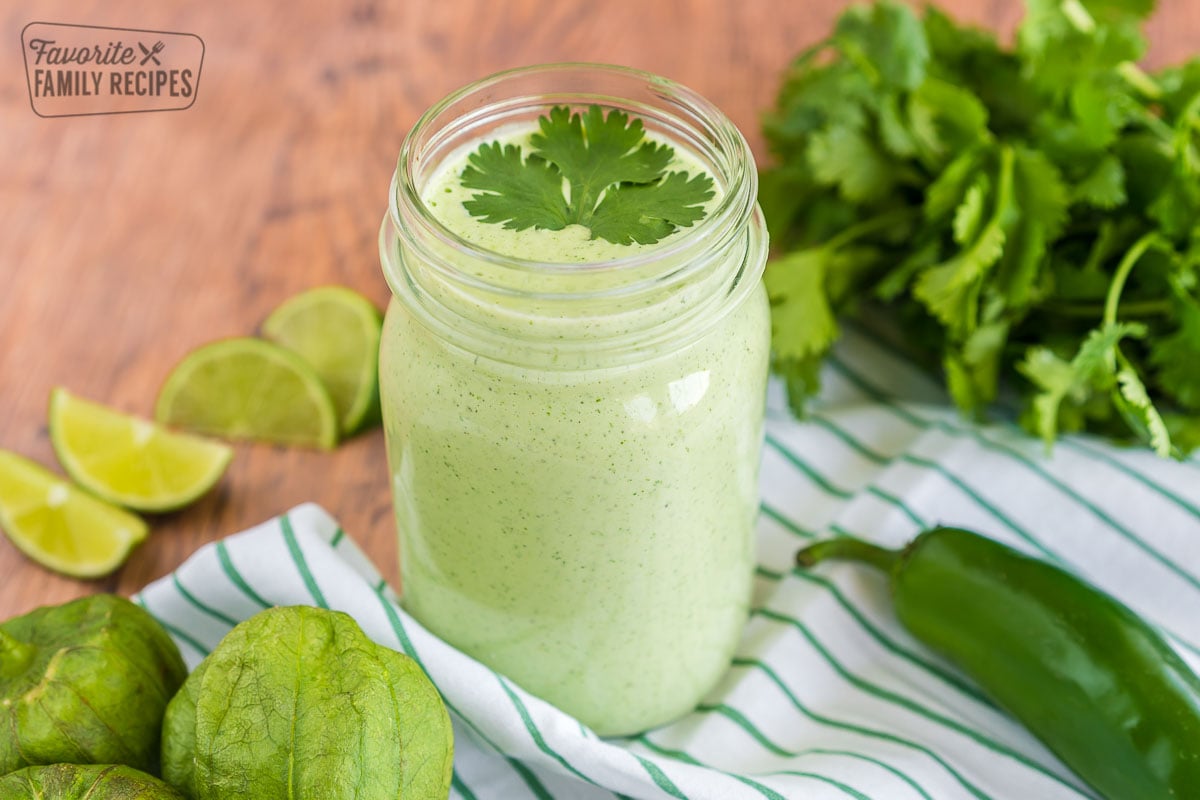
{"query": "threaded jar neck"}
(526, 311)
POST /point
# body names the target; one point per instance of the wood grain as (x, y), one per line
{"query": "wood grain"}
(125, 241)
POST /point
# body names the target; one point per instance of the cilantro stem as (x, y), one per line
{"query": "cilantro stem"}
(1139, 80)
(1154, 124)
(1078, 16)
(1185, 127)
(867, 227)
(1190, 112)
(1100, 247)
(855, 54)
(1140, 308)
(1123, 269)
(809, 53)
(995, 225)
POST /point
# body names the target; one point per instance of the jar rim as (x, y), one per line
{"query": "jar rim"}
(730, 142)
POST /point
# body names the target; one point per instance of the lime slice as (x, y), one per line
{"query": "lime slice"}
(249, 389)
(59, 526)
(336, 331)
(129, 461)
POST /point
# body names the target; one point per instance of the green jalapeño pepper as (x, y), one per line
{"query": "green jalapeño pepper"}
(1082, 672)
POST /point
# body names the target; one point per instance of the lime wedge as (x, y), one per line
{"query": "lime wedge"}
(129, 461)
(336, 330)
(59, 526)
(249, 389)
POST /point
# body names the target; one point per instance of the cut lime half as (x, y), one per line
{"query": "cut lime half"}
(336, 330)
(59, 526)
(129, 461)
(249, 389)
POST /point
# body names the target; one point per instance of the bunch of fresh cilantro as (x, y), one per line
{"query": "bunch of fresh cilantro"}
(1028, 216)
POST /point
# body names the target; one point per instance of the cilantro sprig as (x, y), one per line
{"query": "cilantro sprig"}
(1026, 215)
(592, 169)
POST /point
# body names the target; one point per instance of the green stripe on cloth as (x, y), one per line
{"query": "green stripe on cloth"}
(819, 419)
(821, 480)
(406, 646)
(886, 401)
(896, 502)
(175, 631)
(236, 578)
(765, 791)
(1096, 453)
(782, 519)
(739, 719)
(908, 703)
(1091, 506)
(855, 444)
(944, 675)
(660, 778)
(808, 470)
(223, 618)
(531, 780)
(859, 729)
(293, 546)
(534, 733)
(457, 784)
(680, 755)
(874, 631)
(849, 790)
(881, 396)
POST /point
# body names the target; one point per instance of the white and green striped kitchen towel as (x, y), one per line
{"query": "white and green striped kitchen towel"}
(827, 697)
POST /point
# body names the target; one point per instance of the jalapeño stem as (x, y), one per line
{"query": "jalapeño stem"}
(848, 549)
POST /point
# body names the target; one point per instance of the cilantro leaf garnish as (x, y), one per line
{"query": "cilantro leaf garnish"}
(533, 195)
(592, 169)
(647, 212)
(1025, 215)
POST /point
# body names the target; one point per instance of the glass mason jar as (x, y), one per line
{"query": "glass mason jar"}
(574, 447)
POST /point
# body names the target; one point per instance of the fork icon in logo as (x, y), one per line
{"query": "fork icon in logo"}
(151, 54)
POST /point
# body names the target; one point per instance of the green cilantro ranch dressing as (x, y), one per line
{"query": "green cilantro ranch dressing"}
(574, 440)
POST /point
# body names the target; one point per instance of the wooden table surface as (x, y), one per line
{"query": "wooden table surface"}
(126, 241)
